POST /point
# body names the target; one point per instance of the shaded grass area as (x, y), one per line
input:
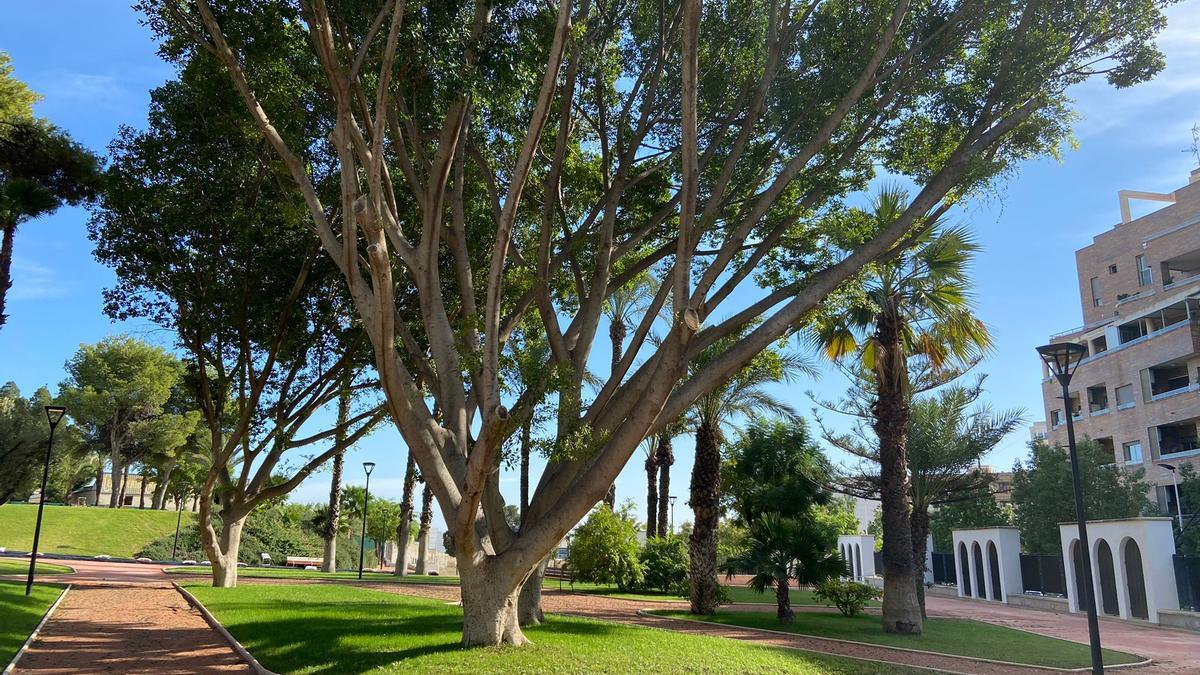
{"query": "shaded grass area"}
(19, 566)
(737, 594)
(292, 573)
(959, 637)
(86, 531)
(336, 629)
(19, 615)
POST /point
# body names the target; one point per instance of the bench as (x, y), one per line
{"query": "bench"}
(301, 561)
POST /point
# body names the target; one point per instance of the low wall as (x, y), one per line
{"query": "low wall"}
(1043, 602)
(1173, 618)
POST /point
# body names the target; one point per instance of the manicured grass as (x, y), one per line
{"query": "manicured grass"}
(737, 594)
(18, 566)
(961, 637)
(293, 573)
(19, 615)
(336, 629)
(87, 531)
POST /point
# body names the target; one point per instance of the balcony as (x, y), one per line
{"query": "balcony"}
(1177, 439)
(1180, 270)
(1169, 379)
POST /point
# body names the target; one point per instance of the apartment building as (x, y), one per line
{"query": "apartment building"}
(1137, 390)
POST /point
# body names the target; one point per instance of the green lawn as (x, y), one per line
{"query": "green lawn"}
(18, 566)
(87, 531)
(336, 629)
(961, 637)
(737, 593)
(19, 615)
(292, 573)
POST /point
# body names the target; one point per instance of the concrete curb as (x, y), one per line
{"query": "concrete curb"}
(33, 636)
(258, 668)
(1086, 669)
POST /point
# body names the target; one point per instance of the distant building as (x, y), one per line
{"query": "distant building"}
(134, 496)
(1137, 391)
(1037, 432)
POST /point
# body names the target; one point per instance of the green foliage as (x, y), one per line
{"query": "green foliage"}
(837, 515)
(1043, 496)
(664, 563)
(850, 597)
(775, 466)
(604, 550)
(786, 549)
(981, 511)
(1188, 542)
(732, 539)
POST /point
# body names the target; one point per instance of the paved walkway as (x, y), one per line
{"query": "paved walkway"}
(123, 618)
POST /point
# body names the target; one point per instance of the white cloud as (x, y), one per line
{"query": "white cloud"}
(32, 281)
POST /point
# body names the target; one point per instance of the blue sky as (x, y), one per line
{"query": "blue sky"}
(95, 65)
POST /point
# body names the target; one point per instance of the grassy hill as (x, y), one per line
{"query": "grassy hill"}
(79, 530)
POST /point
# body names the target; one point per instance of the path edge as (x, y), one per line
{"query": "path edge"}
(33, 636)
(258, 668)
(1053, 669)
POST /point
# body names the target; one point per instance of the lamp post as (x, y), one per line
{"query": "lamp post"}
(1063, 358)
(672, 500)
(54, 414)
(362, 542)
(1175, 482)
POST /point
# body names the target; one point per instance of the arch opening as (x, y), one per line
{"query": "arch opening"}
(994, 567)
(965, 566)
(980, 579)
(1108, 579)
(1135, 580)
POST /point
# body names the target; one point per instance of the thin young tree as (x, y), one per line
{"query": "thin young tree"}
(917, 303)
(528, 160)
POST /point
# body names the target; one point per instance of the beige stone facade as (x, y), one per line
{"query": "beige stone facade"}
(1137, 392)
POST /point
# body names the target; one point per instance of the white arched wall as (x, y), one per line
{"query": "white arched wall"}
(859, 553)
(1156, 543)
(1007, 541)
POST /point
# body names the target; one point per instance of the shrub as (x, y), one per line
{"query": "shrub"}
(850, 597)
(665, 563)
(605, 549)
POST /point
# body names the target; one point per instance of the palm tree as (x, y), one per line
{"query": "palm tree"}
(651, 446)
(404, 528)
(917, 303)
(743, 395)
(783, 550)
(423, 530)
(624, 305)
(664, 458)
(329, 560)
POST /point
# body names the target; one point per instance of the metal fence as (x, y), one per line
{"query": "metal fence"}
(943, 568)
(1187, 581)
(1044, 574)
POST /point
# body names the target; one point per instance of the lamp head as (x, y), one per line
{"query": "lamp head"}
(368, 467)
(54, 413)
(1168, 467)
(1062, 358)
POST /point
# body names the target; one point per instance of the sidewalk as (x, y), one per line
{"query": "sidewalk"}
(123, 618)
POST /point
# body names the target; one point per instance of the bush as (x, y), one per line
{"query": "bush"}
(605, 549)
(665, 563)
(850, 597)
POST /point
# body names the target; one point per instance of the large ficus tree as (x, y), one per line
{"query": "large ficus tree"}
(500, 160)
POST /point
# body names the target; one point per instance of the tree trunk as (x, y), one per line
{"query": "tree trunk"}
(142, 496)
(114, 497)
(224, 553)
(159, 501)
(404, 530)
(901, 609)
(664, 458)
(334, 514)
(529, 605)
(119, 486)
(651, 495)
(610, 497)
(705, 502)
(9, 229)
(99, 477)
(423, 530)
(783, 602)
(526, 448)
(919, 529)
(489, 600)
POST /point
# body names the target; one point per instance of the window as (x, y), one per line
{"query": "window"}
(1096, 301)
(1125, 397)
(1112, 269)
(1097, 398)
(1056, 418)
(128, 501)
(1145, 274)
(1133, 452)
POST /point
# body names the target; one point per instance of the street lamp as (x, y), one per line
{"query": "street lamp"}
(362, 542)
(54, 414)
(1175, 481)
(672, 500)
(1062, 358)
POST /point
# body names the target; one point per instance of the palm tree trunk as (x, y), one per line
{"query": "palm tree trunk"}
(9, 228)
(919, 526)
(406, 515)
(423, 530)
(783, 602)
(334, 514)
(664, 458)
(901, 609)
(651, 495)
(705, 502)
